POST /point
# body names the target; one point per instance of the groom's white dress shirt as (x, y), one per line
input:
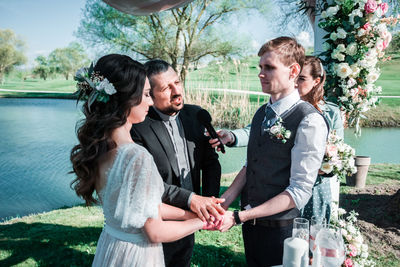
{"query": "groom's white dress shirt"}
(307, 152)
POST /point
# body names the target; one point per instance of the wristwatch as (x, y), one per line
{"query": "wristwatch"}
(236, 217)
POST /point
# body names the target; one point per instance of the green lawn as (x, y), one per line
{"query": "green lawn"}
(68, 237)
(240, 75)
(390, 77)
(59, 85)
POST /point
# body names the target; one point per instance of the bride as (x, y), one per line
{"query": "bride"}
(123, 174)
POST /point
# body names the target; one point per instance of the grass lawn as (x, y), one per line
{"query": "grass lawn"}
(240, 75)
(58, 85)
(68, 237)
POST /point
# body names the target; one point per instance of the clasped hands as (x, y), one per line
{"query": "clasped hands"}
(210, 211)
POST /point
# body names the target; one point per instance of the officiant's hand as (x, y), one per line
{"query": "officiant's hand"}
(225, 136)
(206, 206)
(228, 221)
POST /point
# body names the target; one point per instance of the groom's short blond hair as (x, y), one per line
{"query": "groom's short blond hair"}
(288, 50)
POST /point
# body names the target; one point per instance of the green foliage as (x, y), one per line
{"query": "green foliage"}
(11, 52)
(180, 36)
(67, 60)
(42, 68)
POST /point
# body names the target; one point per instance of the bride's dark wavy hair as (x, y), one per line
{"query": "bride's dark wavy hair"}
(94, 131)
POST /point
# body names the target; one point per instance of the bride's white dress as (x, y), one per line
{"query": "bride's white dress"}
(132, 194)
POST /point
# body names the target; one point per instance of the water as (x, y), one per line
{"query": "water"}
(36, 138)
(381, 144)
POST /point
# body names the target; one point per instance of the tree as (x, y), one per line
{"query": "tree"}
(180, 36)
(67, 60)
(11, 52)
(42, 68)
(394, 46)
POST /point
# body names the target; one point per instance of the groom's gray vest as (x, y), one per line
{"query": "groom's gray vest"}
(269, 160)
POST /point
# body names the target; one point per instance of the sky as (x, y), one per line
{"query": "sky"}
(45, 25)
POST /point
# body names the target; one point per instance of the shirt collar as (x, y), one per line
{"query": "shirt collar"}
(285, 103)
(166, 117)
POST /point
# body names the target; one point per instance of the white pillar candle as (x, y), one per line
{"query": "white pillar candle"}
(293, 250)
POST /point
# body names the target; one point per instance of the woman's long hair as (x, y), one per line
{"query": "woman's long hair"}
(316, 95)
(94, 131)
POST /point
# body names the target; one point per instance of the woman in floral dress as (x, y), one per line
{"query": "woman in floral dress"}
(311, 89)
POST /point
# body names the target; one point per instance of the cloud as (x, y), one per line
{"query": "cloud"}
(305, 39)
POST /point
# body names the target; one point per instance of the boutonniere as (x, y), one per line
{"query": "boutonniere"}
(278, 131)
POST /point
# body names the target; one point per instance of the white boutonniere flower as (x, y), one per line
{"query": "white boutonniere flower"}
(278, 131)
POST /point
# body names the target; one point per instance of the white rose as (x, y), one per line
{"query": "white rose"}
(288, 134)
(275, 129)
(333, 36)
(351, 229)
(341, 48)
(340, 57)
(355, 70)
(351, 82)
(324, 15)
(331, 11)
(364, 255)
(373, 76)
(351, 49)
(343, 98)
(359, 239)
(106, 86)
(343, 70)
(341, 33)
(326, 167)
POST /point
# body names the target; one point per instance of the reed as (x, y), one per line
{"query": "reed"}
(228, 110)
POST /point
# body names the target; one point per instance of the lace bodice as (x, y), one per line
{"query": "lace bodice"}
(133, 189)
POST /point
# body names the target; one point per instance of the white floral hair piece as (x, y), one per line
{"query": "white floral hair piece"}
(93, 86)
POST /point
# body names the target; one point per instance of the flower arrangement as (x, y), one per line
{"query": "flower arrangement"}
(92, 86)
(358, 36)
(278, 131)
(356, 250)
(339, 157)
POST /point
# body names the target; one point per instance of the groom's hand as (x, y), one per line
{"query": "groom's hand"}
(228, 221)
(206, 206)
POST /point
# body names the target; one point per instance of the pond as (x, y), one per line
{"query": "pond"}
(37, 135)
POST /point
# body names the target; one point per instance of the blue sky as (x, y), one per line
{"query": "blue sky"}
(49, 24)
(43, 24)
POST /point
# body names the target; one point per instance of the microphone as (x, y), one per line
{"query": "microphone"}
(205, 119)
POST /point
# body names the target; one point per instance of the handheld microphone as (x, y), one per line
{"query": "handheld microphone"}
(205, 119)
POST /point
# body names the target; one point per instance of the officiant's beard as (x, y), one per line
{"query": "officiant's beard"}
(172, 109)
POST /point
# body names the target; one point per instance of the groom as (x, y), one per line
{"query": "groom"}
(285, 150)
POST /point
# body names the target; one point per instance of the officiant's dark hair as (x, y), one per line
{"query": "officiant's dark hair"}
(316, 95)
(156, 66)
(288, 50)
(94, 131)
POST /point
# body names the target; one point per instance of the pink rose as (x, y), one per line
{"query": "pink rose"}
(331, 150)
(384, 7)
(353, 250)
(367, 26)
(370, 6)
(348, 262)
